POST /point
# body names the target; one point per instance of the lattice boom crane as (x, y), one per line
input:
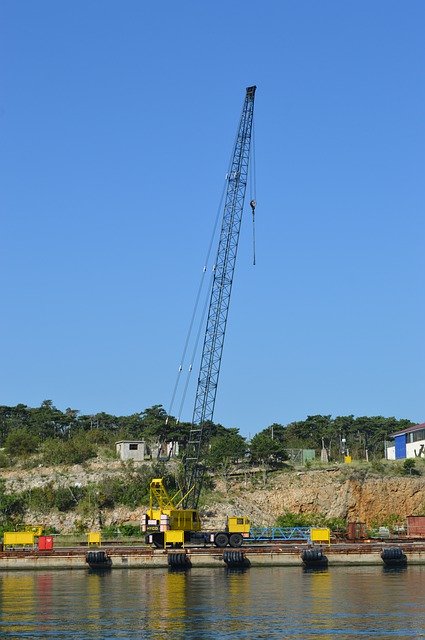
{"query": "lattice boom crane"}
(215, 332)
(174, 520)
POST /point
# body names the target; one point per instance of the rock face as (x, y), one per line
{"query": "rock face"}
(344, 492)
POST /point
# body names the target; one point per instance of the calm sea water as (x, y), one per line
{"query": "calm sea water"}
(214, 603)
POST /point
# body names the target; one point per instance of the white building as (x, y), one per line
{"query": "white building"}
(409, 443)
(131, 449)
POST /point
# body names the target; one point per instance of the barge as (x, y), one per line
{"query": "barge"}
(120, 557)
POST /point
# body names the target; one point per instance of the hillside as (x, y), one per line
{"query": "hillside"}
(87, 494)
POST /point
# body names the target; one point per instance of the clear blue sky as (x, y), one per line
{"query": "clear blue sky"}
(116, 123)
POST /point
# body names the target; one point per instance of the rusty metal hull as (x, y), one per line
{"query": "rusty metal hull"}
(148, 558)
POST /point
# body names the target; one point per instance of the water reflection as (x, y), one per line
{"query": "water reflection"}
(397, 569)
(213, 603)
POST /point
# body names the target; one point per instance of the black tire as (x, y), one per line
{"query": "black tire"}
(158, 540)
(236, 540)
(221, 540)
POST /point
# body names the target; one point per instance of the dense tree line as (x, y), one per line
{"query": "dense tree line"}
(361, 434)
(70, 436)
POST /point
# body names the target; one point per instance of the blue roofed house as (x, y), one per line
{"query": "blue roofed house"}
(409, 443)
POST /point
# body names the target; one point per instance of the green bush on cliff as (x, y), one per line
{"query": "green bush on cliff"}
(4, 460)
(73, 451)
(120, 531)
(290, 519)
(12, 508)
(409, 468)
(62, 498)
(21, 442)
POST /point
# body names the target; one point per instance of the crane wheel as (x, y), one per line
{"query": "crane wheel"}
(236, 540)
(221, 539)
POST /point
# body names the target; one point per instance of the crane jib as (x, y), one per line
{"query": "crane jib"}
(215, 330)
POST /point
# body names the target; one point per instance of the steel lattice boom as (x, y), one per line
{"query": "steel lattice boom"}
(219, 303)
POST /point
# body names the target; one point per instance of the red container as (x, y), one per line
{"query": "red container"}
(415, 526)
(45, 543)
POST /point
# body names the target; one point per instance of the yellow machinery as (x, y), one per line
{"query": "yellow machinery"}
(167, 524)
(18, 539)
(36, 529)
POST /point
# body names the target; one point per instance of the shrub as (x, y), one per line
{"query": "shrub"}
(378, 466)
(12, 507)
(73, 451)
(21, 442)
(4, 460)
(289, 519)
(409, 468)
(99, 436)
(66, 498)
(121, 531)
(129, 530)
(41, 499)
(44, 499)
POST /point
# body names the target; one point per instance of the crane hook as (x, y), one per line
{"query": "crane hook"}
(253, 204)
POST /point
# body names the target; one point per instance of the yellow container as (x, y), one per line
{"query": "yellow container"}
(347, 459)
(175, 536)
(320, 534)
(15, 538)
(94, 537)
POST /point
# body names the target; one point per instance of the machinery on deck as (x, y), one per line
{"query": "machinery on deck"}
(167, 523)
(174, 520)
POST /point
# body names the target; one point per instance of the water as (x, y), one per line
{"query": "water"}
(363, 602)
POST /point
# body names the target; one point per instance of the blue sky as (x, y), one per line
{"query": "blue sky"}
(116, 125)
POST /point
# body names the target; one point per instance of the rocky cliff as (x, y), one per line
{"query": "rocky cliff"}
(344, 492)
(341, 492)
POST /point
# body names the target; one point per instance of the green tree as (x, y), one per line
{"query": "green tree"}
(362, 433)
(154, 420)
(310, 432)
(13, 418)
(266, 450)
(277, 432)
(226, 449)
(46, 421)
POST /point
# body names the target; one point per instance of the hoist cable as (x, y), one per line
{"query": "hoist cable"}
(195, 346)
(253, 190)
(253, 163)
(253, 237)
(195, 308)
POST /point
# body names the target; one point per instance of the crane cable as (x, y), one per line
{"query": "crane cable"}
(253, 190)
(194, 314)
(195, 347)
(195, 309)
